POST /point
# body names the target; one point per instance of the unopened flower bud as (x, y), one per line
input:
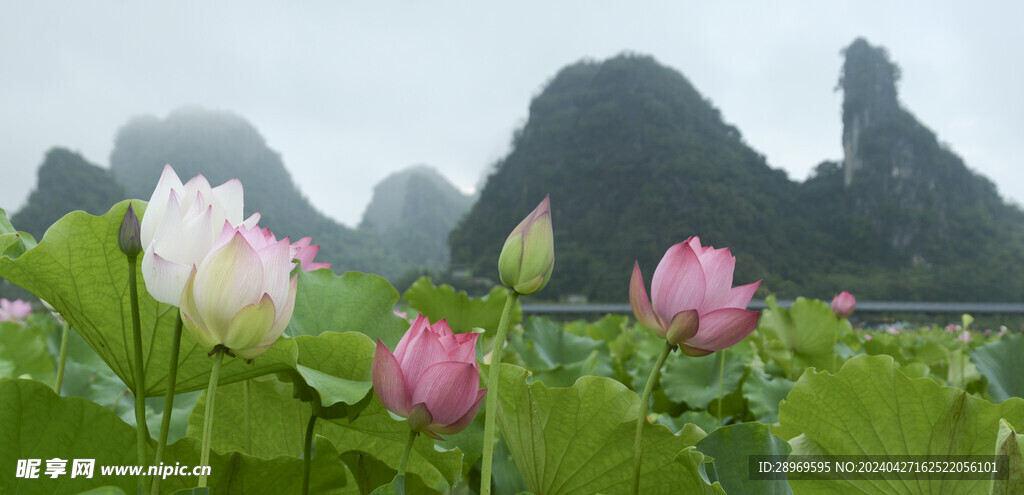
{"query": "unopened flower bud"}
(843, 304)
(129, 238)
(528, 256)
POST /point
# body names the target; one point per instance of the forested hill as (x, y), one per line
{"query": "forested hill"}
(66, 181)
(403, 233)
(222, 146)
(412, 211)
(635, 159)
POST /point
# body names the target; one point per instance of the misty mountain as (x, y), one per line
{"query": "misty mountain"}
(65, 182)
(222, 146)
(413, 211)
(636, 159)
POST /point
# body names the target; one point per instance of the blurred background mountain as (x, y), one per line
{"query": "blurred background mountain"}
(635, 159)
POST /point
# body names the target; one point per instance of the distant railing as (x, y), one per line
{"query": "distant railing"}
(973, 308)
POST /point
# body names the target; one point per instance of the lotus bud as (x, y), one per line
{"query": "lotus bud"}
(432, 378)
(129, 236)
(843, 304)
(528, 256)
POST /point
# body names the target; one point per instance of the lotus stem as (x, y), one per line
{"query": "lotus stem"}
(399, 483)
(142, 431)
(165, 420)
(644, 400)
(211, 394)
(307, 452)
(62, 360)
(245, 417)
(721, 380)
(492, 392)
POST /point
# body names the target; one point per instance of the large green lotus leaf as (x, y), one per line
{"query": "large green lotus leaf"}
(235, 473)
(371, 474)
(377, 433)
(999, 361)
(694, 381)
(79, 269)
(871, 408)
(544, 345)
(807, 332)
(579, 439)
(1011, 444)
(23, 352)
(763, 393)
(356, 302)
(37, 424)
(559, 358)
(334, 371)
(12, 242)
(731, 447)
(462, 313)
(277, 425)
(272, 423)
(607, 329)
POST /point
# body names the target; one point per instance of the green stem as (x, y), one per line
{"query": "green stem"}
(211, 394)
(307, 453)
(721, 380)
(117, 400)
(63, 357)
(165, 420)
(492, 392)
(637, 444)
(399, 483)
(142, 431)
(245, 417)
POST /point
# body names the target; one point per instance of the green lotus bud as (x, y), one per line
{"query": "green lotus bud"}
(528, 256)
(129, 237)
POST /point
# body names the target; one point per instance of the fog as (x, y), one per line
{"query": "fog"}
(348, 94)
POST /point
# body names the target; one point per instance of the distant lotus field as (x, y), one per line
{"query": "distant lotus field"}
(176, 335)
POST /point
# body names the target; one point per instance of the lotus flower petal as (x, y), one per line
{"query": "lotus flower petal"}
(429, 351)
(420, 325)
(739, 297)
(466, 419)
(723, 328)
(389, 381)
(718, 266)
(641, 304)
(165, 279)
(678, 282)
(449, 390)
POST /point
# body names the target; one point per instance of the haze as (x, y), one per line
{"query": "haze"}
(348, 94)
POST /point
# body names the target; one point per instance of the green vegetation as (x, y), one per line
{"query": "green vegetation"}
(635, 160)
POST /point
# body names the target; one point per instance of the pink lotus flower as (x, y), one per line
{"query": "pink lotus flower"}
(695, 305)
(843, 304)
(965, 337)
(14, 311)
(432, 378)
(240, 296)
(868, 336)
(302, 251)
(298, 250)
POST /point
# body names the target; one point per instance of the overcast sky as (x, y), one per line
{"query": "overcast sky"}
(350, 93)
